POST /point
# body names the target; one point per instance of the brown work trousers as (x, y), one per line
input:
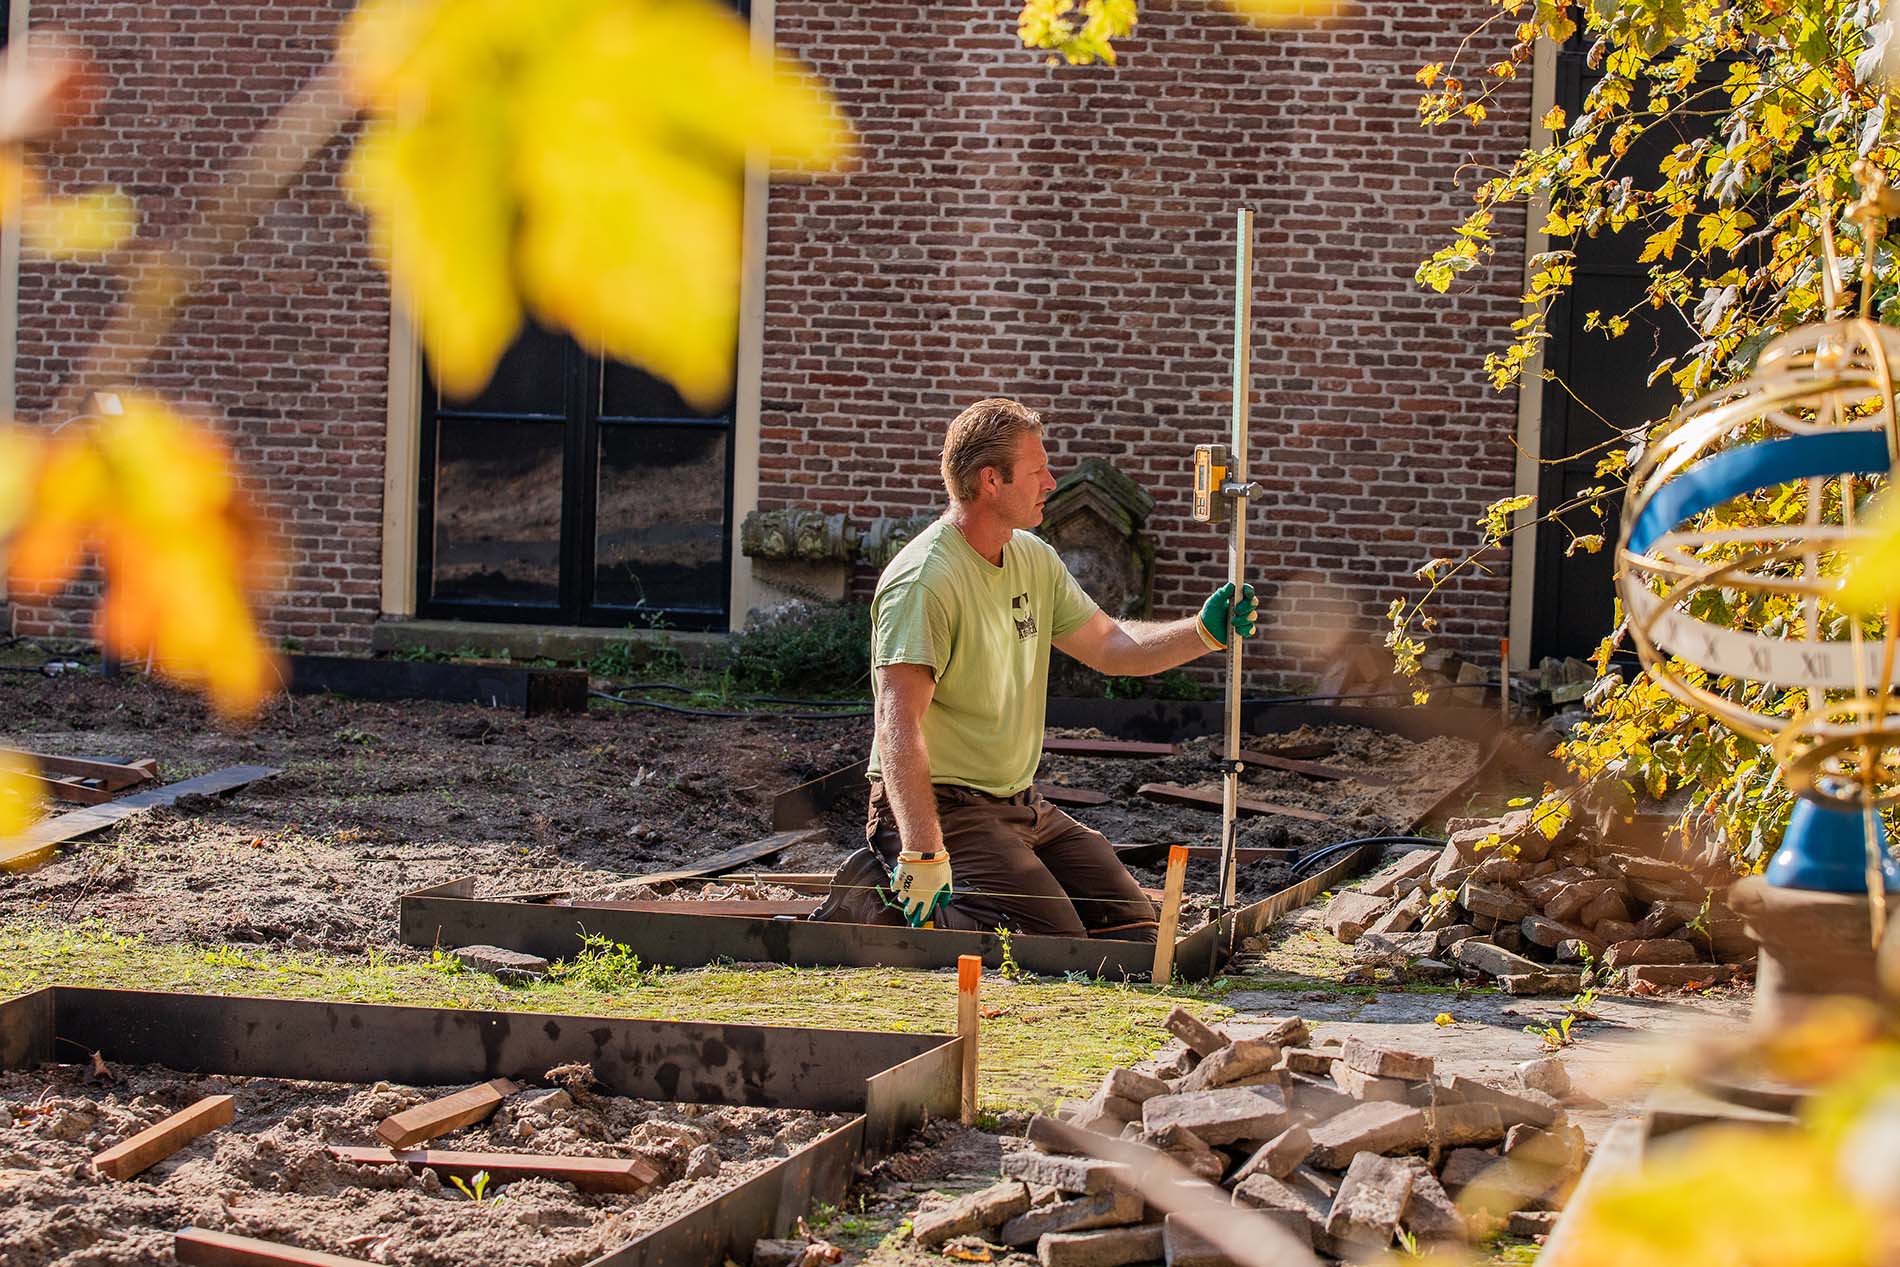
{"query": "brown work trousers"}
(1017, 863)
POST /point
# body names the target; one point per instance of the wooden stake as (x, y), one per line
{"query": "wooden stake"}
(969, 975)
(200, 1248)
(157, 1142)
(589, 1174)
(1170, 915)
(438, 1117)
(1504, 680)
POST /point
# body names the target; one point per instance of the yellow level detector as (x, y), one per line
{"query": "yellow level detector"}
(1210, 472)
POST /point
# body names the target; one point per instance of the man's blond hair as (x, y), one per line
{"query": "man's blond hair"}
(983, 435)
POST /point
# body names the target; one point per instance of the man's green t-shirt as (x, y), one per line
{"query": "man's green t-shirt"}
(986, 631)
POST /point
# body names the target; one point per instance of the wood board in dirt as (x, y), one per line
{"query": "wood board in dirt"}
(269, 1173)
(380, 798)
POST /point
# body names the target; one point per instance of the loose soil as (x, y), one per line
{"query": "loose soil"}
(268, 1175)
(377, 799)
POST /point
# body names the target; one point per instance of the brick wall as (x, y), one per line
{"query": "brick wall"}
(1064, 235)
(285, 350)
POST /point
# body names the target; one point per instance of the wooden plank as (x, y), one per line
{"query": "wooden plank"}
(36, 844)
(69, 789)
(198, 1247)
(1172, 794)
(589, 1174)
(734, 858)
(1308, 769)
(161, 1139)
(1107, 747)
(1244, 854)
(736, 906)
(438, 1117)
(111, 775)
(1311, 751)
(1056, 794)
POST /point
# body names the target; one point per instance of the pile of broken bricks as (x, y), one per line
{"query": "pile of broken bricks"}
(1505, 899)
(1347, 1147)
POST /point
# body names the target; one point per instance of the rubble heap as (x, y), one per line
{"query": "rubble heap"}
(1504, 899)
(1345, 1146)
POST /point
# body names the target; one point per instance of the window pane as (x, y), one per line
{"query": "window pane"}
(531, 378)
(660, 530)
(626, 392)
(498, 511)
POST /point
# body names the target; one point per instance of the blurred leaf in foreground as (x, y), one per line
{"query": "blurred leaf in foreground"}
(181, 547)
(19, 795)
(577, 160)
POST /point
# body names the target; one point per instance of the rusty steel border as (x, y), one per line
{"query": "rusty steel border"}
(448, 915)
(890, 1082)
(1204, 952)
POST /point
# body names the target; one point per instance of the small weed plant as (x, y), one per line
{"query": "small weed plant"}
(476, 1189)
(1009, 969)
(606, 965)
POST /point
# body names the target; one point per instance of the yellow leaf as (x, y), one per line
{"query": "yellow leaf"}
(1553, 119)
(1443, 1018)
(1662, 243)
(594, 181)
(82, 226)
(1871, 580)
(19, 795)
(1475, 112)
(1722, 230)
(19, 463)
(1558, 225)
(1428, 74)
(1774, 121)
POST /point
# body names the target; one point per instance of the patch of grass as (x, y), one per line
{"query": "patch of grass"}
(1049, 1039)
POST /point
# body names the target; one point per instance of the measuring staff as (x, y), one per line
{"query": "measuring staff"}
(961, 629)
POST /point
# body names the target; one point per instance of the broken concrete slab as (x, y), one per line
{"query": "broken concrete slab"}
(1464, 1125)
(1132, 1087)
(977, 1212)
(1430, 1214)
(1394, 949)
(1310, 1060)
(1102, 1209)
(1494, 960)
(1534, 983)
(1084, 1175)
(503, 965)
(1541, 930)
(1679, 976)
(1350, 913)
(1371, 1201)
(1287, 1031)
(1657, 950)
(1496, 903)
(1514, 1107)
(1189, 1151)
(1546, 1074)
(1241, 1058)
(1184, 1247)
(1567, 903)
(1370, 1127)
(1364, 1086)
(1279, 1156)
(1109, 1247)
(1221, 1115)
(1606, 907)
(1384, 1062)
(1314, 1100)
(1403, 916)
(1415, 865)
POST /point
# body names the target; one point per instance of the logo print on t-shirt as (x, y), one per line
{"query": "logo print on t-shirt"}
(1024, 619)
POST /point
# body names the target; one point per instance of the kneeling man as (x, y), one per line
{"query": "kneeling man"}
(960, 634)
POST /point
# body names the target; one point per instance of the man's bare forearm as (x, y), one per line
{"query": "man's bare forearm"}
(1142, 647)
(905, 767)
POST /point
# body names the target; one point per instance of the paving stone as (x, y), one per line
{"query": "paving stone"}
(1430, 970)
(1510, 936)
(1415, 865)
(1542, 930)
(1102, 1209)
(1609, 932)
(1385, 1062)
(1044, 1135)
(1393, 949)
(1658, 950)
(1315, 1100)
(1559, 1150)
(1191, 1030)
(1175, 1059)
(1546, 1074)
(1577, 951)
(1496, 871)
(1493, 903)
(1187, 1248)
(1528, 1223)
(1604, 907)
(504, 965)
(1376, 1127)
(1241, 1058)
(1189, 1151)
(1464, 1125)
(1665, 918)
(1569, 902)
(1222, 1115)
(1430, 1214)
(1496, 961)
(1450, 871)
(1313, 1060)
(1287, 1031)
(1364, 1086)
(1675, 976)
(1541, 889)
(1495, 1186)
(1462, 1165)
(1136, 1088)
(1532, 983)
(1067, 1174)
(1279, 1156)
(979, 1211)
(1403, 916)
(1452, 934)
(1351, 913)
(1300, 1208)
(1110, 1247)
(1104, 1114)
(1514, 1107)
(1371, 1201)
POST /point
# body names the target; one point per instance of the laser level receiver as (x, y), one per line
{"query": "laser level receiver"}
(1210, 473)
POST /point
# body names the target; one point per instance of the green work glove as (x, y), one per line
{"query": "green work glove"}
(922, 885)
(1222, 616)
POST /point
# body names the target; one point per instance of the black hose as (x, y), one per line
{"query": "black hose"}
(1333, 850)
(738, 716)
